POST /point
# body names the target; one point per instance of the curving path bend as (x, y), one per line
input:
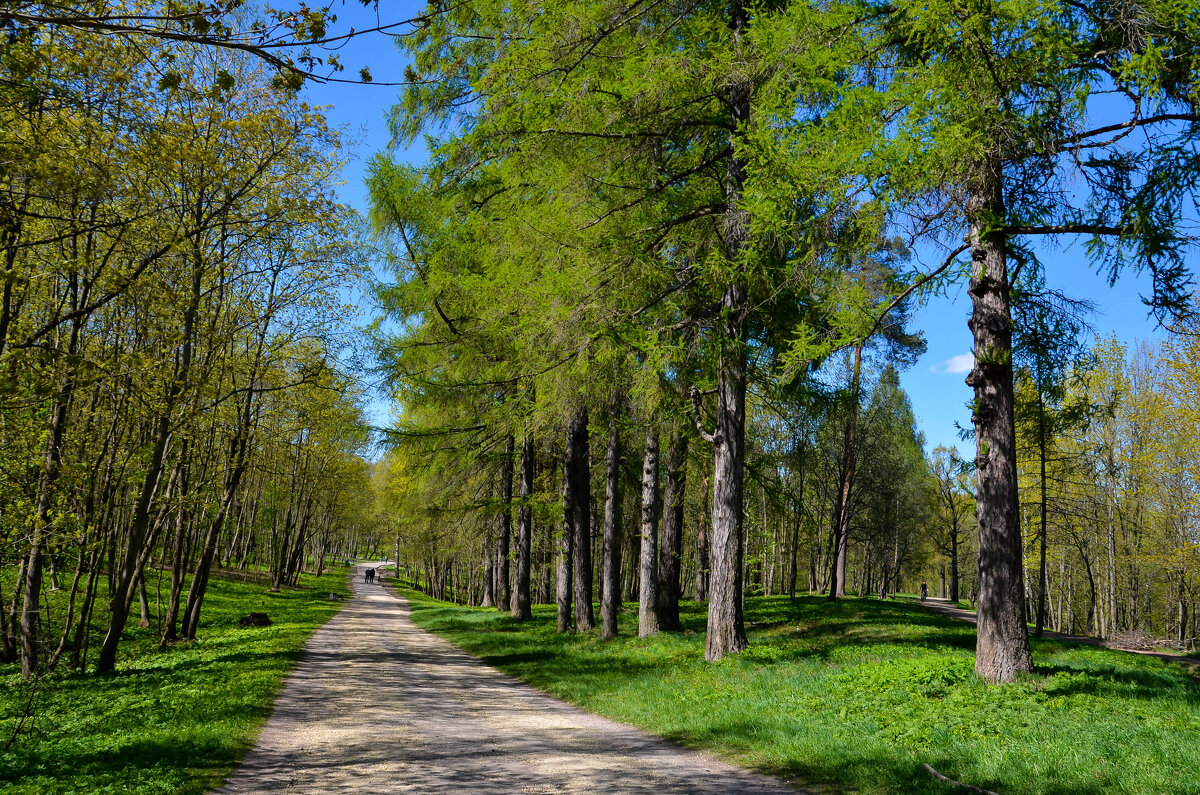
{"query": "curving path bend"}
(379, 705)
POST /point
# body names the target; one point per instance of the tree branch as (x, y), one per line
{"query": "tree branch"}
(705, 435)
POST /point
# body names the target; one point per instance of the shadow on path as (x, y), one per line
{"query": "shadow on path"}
(380, 705)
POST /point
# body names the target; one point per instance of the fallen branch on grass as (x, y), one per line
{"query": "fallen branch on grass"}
(954, 783)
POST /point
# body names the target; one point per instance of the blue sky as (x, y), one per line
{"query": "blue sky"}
(935, 383)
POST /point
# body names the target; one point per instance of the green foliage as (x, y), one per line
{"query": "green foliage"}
(857, 694)
(174, 720)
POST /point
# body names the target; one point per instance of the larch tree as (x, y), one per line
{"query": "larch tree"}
(1018, 121)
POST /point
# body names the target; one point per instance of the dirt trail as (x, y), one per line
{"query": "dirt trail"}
(944, 607)
(379, 705)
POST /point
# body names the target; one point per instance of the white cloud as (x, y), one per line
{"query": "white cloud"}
(955, 364)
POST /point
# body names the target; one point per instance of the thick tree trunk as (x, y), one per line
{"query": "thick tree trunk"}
(1002, 647)
(726, 633)
(521, 607)
(502, 543)
(648, 561)
(671, 548)
(726, 629)
(610, 587)
(581, 519)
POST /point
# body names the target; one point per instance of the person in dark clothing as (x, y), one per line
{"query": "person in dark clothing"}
(924, 591)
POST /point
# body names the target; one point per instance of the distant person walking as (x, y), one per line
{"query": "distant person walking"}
(924, 591)
(370, 575)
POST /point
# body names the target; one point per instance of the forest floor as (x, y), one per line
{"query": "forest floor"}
(379, 705)
(857, 695)
(172, 720)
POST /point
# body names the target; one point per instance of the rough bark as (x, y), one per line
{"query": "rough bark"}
(610, 588)
(648, 561)
(726, 632)
(671, 546)
(521, 606)
(581, 519)
(1002, 646)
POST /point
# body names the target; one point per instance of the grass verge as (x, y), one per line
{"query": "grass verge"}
(176, 720)
(857, 694)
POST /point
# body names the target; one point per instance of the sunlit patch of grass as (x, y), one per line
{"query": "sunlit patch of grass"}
(857, 694)
(174, 720)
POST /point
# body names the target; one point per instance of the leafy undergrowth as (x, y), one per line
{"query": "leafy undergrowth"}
(176, 720)
(856, 695)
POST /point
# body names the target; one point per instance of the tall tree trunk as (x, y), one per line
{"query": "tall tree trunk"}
(648, 568)
(671, 550)
(795, 549)
(521, 606)
(489, 563)
(31, 603)
(239, 446)
(581, 519)
(502, 543)
(797, 516)
(1002, 646)
(1108, 627)
(566, 542)
(1040, 623)
(726, 632)
(134, 558)
(610, 587)
(841, 511)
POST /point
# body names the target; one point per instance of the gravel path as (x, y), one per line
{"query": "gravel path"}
(379, 705)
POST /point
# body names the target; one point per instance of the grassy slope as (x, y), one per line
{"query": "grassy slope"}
(170, 721)
(857, 694)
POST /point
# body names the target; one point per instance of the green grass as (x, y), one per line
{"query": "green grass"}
(858, 694)
(176, 720)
